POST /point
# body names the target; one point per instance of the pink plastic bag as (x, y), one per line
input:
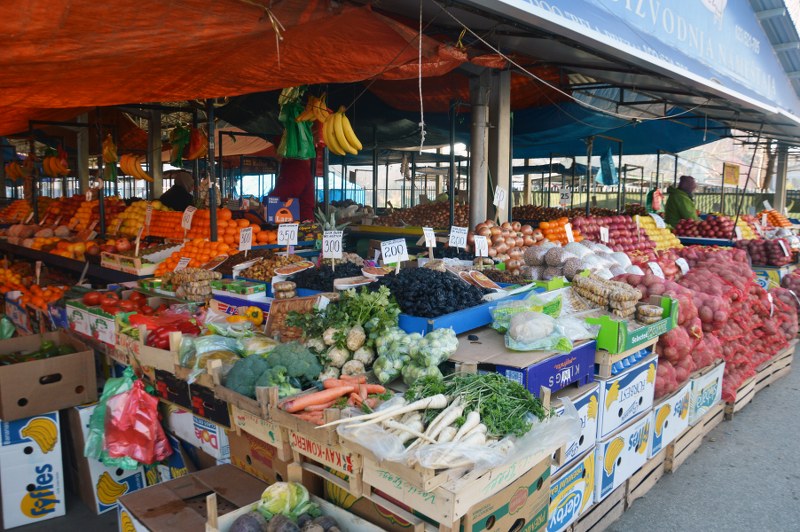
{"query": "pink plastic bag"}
(133, 428)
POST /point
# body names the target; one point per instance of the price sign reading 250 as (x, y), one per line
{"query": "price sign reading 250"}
(287, 234)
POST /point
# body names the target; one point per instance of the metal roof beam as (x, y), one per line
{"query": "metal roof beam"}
(786, 46)
(771, 13)
(794, 74)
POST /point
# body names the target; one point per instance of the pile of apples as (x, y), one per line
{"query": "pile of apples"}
(623, 234)
(711, 227)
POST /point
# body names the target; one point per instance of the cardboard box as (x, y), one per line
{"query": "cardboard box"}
(78, 317)
(282, 212)
(31, 471)
(207, 436)
(626, 395)
(706, 390)
(615, 337)
(586, 400)
(177, 465)
(99, 486)
(571, 492)
(620, 455)
(670, 418)
(38, 386)
(180, 504)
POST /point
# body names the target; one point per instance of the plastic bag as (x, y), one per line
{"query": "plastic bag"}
(95, 439)
(217, 323)
(257, 345)
(196, 352)
(549, 304)
(7, 328)
(286, 498)
(133, 429)
(434, 348)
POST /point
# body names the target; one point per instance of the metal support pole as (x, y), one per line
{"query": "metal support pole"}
(620, 204)
(154, 154)
(658, 165)
(222, 181)
(451, 175)
(589, 147)
(374, 171)
(499, 139)
(83, 152)
(326, 183)
(572, 185)
(212, 181)
(345, 181)
(479, 150)
(413, 180)
(779, 201)
(386, 197)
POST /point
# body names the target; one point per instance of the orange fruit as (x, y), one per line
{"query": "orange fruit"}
(243, 223)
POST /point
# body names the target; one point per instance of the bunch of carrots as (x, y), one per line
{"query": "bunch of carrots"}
(310, 407)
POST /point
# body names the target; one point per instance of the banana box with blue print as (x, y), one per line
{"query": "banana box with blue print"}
(670, 418)
(586, 401)
(626, 395)
(31, 471)
(620, 455)
(571, 492)
(98, 485)
(706, 390)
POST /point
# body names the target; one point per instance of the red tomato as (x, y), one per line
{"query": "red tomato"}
(110, 307)
(136, 297)
(147, 310)
(92, 298)
(127, 305)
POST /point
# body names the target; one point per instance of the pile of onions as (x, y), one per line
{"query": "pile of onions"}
(508, 241)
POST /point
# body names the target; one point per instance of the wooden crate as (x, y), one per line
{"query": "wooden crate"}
(600, 516)
(763, 376)
(263, 429)
(744, 394)
(257, 406)
(604, 360)
(307, 453)
(679, 450)
(643, 480)
(782, 362)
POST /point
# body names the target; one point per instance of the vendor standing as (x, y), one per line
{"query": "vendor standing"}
(680, 203)
(179, 196)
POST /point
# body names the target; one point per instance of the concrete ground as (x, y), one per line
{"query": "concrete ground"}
(745, 476)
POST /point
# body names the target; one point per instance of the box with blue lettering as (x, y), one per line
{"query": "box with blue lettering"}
(586, 401)
(621, 454)
(571, 492)
(626, 395)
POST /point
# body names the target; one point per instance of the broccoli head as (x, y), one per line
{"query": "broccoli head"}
(277, 376)
(299, 362)
(243, 375)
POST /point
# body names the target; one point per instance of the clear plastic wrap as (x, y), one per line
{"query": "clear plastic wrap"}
(532, 331)
(548, 303)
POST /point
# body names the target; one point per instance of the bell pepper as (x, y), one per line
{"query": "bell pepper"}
(255, 315)
(236, 319)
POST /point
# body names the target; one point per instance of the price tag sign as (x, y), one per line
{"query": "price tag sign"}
(656, 269)
(287, 234)
(764, 222)
(117, 226)
(148, 216)
(58, 220)
(29, 218)
(481, 246)
(332, 244)
(182, 264)
(568, 231)
(44, 219)
(430, 237)
(738, 231)
(604, 235)
(565, 197)
(73, 224)
(767, 205)
(188, 214)
(245, 238)
(683, 265)
(322, 303)
(245, 204)
(38, 270)
(458, 237)
(658, 220)
(500, 196)
(783, 247)
(394, 250)
(89, 195)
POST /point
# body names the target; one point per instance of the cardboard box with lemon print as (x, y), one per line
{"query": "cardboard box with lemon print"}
(620, 455)
(571, 492)
(670, 418)
(586, 402)
(626, 395)
(31, 470)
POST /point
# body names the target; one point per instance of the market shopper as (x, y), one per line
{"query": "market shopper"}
(179, 196)
(295, 181)
(680, 203)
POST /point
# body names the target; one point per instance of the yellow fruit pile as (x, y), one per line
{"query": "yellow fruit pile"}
(134, 217)
(663, 237)
(747, 231)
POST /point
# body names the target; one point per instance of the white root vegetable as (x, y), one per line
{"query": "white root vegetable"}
(480, 427)
(472, 421)
(410, 418)
(434, 401)
(413, 430)
(452, 414)
(477, 438)
(446, 435)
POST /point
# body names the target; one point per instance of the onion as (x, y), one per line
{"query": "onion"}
(489, 223)
(484, 231)
(494, 230)
(515, 253)
(502, 248)
(526, 229)
(516, 226)
(528, 240)
(519, 241)
(480, 226)
(492, 252)
(513, 264)
(537, 234)
(470, 238)
(506, 225)
(502, 257)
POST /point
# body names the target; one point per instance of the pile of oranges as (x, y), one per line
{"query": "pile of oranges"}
(34, 296)
(168, 225)
(554, 231)
(199, 251)
(89, 212)
(775, 218)
(19, 209)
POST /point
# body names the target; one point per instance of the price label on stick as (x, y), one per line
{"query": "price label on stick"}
(188, 214)
(148, 216)
(138, 241)
(568, 231)
(783, 247)
(458, 237)
(332, 244)
(29, 218)
(182, 264)
(430, 237)
(245, 238)
(683, 265)
(656, 269)
(738, 231)
(565, 197)
(89, 195)
(287, 234)
(481, 246)
(604, 235)
(394, 251)
(658, 220)
(767, 205)
(117, 227)
(500, 196)
(764, 220)
(42, 222)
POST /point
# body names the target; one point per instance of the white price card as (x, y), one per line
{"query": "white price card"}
(738, 231)
(783, 247)
(148, 216)
(287, 234)
(188, 214)
(658, 220)
(568, 231)
(182, 264)
(245, 238)
(245, 204)
(500, 196)
(430, 237)
(332, 244)
(481, 246)
(89, 195)
(764, 221)
(767, 205)
(604, 235)
(683, 265)
(458, 237)
(656, 269)
(394, 251)
(322, 303)
(565, 197)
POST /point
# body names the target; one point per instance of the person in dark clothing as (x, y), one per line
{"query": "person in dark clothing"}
(179, 196)
(295, 181)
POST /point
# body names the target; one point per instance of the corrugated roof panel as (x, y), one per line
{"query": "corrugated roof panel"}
(780, 30)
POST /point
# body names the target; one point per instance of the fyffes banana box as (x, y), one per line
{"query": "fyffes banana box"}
(571, 492)
(620, 455)
(128, 523)
(586, 402)
(706, 391)
(670, 418)
(626, 395)
(31, 470)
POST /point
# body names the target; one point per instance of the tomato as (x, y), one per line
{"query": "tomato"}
(136, 297)
(127, 305)
(110, 307)
(147, 310)
(92, 298)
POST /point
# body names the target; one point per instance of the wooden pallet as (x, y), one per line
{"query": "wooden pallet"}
(744, 394)
(643, 480)
(782, 363)
(679, 450)
(763, 376)
(604, 360)
(602, 515)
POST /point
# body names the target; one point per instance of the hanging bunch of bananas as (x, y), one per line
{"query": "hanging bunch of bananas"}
(110, 159)
(132, 165)
(316, 109)
(14, 170)
(54, 163)
(339, 135)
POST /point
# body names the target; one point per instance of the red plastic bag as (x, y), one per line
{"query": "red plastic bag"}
(133, 428)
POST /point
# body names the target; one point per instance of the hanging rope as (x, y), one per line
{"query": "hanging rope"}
(419, 78)
(277, 27)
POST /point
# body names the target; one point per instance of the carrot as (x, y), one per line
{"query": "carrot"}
(358, 379)
(316, 398)
(356, 399)
(324, 406)
(335, 383)
(362, 391)
(350, 401)
(372, 402)
(375, 388)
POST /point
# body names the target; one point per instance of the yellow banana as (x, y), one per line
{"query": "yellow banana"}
(321, 108)
(330, 136)
(59, 166)
(46, 167)
(612, 452)
(125, 522)
(124, 164)
(109, 490)
(613, 394)
(43, 431)
(137, 166)
(591, 411)
(661, 417)
(349, 133)
(341, 139)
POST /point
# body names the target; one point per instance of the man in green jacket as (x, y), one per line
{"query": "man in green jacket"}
(680, 204)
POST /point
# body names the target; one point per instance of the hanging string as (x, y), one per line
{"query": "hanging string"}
(277, 27)
(419, 78)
